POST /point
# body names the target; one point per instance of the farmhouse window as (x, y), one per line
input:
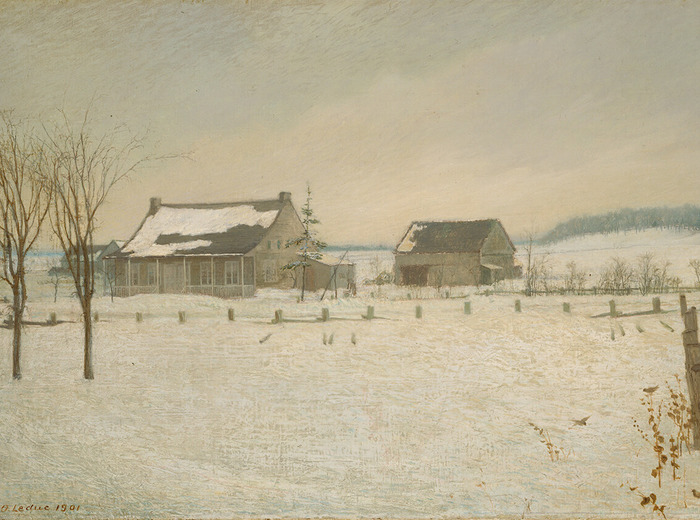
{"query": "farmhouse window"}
(279, 244)
(188, 273)
(231, 269)
(135, 274)
(270, 271)
(151, 274)
(205, 273)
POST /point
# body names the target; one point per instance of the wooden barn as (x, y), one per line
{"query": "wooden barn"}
(223, 249)
(477, 252)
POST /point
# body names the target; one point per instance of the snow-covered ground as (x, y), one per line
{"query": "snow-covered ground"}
(591, 252)
(429, 417)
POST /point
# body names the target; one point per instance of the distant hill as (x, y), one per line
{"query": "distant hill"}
(628, 219)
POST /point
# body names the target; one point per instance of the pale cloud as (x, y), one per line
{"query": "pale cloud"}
(393, 112)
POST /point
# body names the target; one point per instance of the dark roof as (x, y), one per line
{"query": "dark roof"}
(232, 228)
(448, 237)
(108, 250)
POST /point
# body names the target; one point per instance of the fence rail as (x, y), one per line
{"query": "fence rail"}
(595, 291)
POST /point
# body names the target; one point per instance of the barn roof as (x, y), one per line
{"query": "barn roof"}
(232, 228)
(448, 237)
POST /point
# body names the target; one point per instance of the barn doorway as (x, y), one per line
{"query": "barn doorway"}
(414, 275)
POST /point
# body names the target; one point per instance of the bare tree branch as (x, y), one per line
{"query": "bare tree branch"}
(85, 170)
(24, 205)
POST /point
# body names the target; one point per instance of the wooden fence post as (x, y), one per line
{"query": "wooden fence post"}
(370, 312)
(52, 318)
(567, 307)
(181, 316)
(692, 370)
(278, 316)
(656, 305)
(613, 312)
(97, 317)
(517, 306)
(139, 317)
(467, 308)
(684, 306)
(325, 314)
(419, 311)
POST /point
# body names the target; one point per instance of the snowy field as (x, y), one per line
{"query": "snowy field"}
(590, 252)
(417, 417)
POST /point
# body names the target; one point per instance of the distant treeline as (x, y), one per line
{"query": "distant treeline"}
(681, 217)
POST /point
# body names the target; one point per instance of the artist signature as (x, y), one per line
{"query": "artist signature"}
(30, 508)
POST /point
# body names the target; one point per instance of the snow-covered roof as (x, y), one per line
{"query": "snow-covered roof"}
(447, 237)
(202, 229)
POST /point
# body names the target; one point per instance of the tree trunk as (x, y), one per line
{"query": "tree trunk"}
(17, 312)
(87, 323)
(303, 281)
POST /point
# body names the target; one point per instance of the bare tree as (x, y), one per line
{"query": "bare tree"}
(109, 276)
(650, 275)
(661, 278)
(645, 272)
(23, 209)
(695, 265)
(529, 271)
(542, 274)
(57, 274)
(617, 277)
(85, 170)
(674, 282)
(537, 270)
(575, 279)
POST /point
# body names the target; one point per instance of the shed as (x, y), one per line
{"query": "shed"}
(330, 272)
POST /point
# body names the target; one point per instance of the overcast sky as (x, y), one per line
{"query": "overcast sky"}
(528, 111)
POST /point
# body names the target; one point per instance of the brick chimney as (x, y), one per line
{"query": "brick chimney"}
(155, 205)
(285, 196)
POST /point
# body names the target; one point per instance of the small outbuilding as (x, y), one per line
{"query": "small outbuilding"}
(331, 273)
(105, 264)
(475, 252)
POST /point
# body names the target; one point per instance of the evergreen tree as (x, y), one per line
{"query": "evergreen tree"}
(309, 246)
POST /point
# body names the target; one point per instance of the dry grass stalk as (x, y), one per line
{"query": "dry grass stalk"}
(650, 499)
(555, 452)
(656, 440)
